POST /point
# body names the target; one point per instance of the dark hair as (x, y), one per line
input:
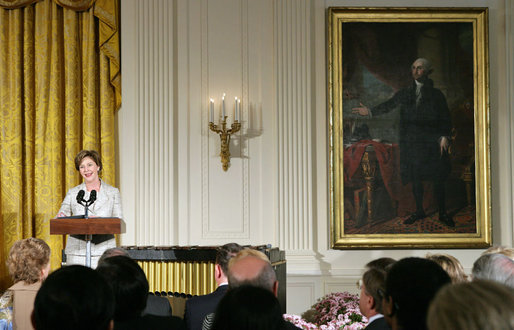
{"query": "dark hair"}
(128, 283)
(248, 308)
(374, 282)
(93, 154)
(112, 252)
(412, 284)
(380, 263)
(224, 253)
(73, 297)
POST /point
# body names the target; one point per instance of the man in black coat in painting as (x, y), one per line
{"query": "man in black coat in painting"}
(425, 128)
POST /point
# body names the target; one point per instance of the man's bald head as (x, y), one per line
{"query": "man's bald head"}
(251, 267)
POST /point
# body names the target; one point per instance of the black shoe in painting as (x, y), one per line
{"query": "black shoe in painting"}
(446, 219)
(413, 218)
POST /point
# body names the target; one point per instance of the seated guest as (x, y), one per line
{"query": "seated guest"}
(495, 267)
(74, 298)
(411, 284)
(380, 263)
(477, 305)
(451, 265)
(507, 251)
(130, 287)
(370, 301)
(250, 267)
(198, 307)
(28, 264)
(249, 308)
(154, 305)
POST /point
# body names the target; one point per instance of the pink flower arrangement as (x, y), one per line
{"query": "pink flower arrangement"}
(335, 311)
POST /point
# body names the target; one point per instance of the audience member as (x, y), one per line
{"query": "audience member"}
(198, 307)
(495, 267)
(130, 287)
(370, 301)
(507, 251)
(155, 305)
(411, 283)
(28, 264)
(477, 305)
(252, 267)
(74, 298)
(249, 307)
(451, 265)
(380, 263)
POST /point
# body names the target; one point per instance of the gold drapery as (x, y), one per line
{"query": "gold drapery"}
(59, 90)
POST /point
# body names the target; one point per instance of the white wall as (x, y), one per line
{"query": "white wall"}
(176, 54)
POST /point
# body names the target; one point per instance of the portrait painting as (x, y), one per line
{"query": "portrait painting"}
(408, 124)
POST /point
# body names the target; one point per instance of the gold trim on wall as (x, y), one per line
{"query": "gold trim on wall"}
(336, 20)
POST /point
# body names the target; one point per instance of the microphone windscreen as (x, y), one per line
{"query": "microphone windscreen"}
(80, 196)
(92, 197)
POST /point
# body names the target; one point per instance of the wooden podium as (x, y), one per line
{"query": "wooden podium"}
(87, 227)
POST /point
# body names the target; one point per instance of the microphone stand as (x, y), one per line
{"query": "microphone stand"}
(89, 237)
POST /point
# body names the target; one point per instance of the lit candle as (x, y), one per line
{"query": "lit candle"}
(238, 109)
(223, 107)
(235, 112)
(212, 111)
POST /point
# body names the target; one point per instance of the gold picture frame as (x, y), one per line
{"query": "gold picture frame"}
(385, 193)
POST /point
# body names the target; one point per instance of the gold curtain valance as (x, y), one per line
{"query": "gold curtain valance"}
(108, 15)
(78, 5)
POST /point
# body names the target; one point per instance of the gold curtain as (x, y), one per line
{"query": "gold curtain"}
(59, 90)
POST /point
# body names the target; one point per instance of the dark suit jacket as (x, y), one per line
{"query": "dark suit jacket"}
(153, 322)
(157, 306)
(378, 324)
(421, 126)
(198, 307)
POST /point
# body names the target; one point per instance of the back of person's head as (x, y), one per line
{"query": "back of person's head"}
(73, 297)
(411, 283)
(224, 253)
(248, 308)
(451, 265)
(129, 285)
(27, 259)
(251, 267)
(374, 283)
(380, 263)
(112, 252)
(476, 305)
(507, 251)
(495, 267)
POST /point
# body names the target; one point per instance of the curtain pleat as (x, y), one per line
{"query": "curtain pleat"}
(56, 98)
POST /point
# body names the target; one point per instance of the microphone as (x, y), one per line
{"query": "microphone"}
(80, 197)
(92, 197)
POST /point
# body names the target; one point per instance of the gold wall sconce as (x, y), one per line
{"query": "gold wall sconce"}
(222, 131)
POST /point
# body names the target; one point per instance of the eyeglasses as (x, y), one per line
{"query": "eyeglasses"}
(359, 284)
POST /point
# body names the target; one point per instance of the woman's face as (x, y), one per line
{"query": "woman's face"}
(89, 170)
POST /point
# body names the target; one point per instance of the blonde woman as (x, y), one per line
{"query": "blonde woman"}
(476, 305)
(28, 264)
(451, 265)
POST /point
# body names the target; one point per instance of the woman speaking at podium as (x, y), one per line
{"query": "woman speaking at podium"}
(107, 204)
